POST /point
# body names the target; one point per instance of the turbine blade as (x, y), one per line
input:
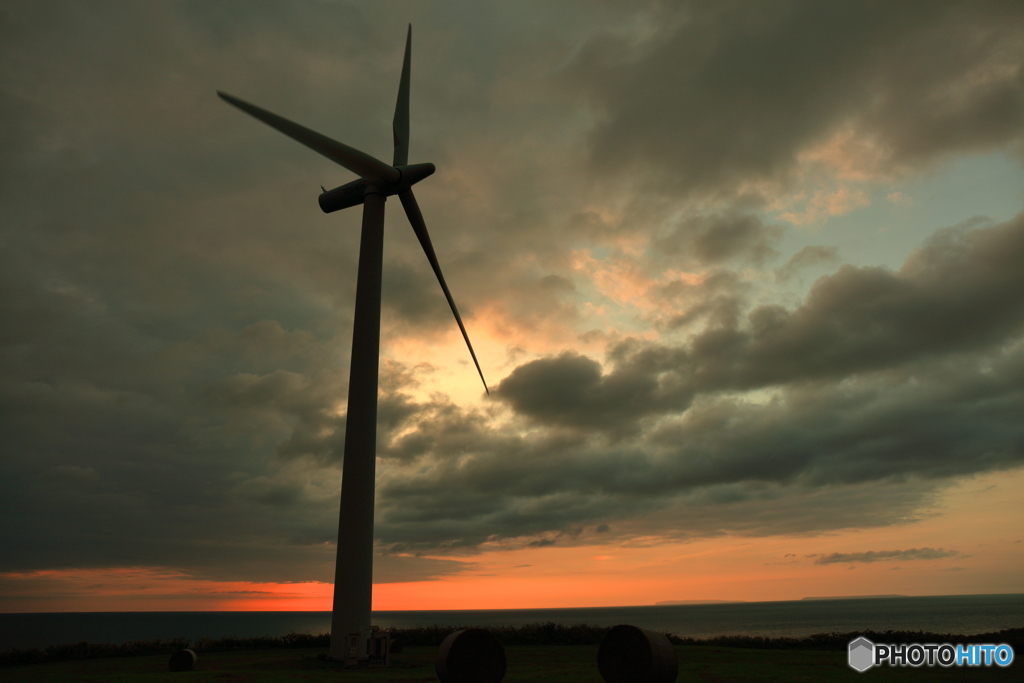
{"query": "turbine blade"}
(412, 210)
(360, 163)
(400, 124)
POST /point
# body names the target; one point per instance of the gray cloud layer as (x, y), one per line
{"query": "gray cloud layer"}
(887, 555)
(177, 312)
(753, 85)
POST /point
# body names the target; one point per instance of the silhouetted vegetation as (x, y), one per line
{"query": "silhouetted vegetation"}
(840, 641)
(547, 633)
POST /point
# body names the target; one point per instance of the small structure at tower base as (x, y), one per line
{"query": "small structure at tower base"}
(378, 648)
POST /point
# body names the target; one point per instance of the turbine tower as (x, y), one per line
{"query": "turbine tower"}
(353, 577)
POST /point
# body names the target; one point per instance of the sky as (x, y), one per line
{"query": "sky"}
(745, 280)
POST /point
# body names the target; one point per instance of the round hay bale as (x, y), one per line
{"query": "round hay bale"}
(470, 656)
(182, 660)
(629, 654)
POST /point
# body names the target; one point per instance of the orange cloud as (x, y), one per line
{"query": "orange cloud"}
(826, 204)
(849, 156)
(835, 174)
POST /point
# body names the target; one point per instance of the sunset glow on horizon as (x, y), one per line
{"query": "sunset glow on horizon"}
(729, 568)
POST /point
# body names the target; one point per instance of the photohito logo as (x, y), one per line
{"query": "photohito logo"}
(863, 654)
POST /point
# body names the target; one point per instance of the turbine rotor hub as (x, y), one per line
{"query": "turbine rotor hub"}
(351, 194)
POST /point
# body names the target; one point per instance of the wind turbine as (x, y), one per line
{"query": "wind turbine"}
(353, 577)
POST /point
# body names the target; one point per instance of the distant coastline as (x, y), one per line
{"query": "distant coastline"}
(814, 597)
(699, 602)
(856, 597)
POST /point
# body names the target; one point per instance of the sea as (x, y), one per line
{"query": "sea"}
(956, 614)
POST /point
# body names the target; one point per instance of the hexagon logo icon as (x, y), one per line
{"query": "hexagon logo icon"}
(862, 654)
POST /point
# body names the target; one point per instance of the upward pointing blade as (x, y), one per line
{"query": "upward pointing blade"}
(400, 124)
(360, 163)
(412, 210)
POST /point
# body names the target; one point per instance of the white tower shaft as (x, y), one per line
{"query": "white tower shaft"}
(353, 571)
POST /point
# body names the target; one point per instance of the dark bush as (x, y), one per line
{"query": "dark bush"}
(840, 641)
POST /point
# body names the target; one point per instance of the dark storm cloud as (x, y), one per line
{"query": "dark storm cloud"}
(888, 555)
(955, 294)
(818, 457)
(718, 299)
(726, 92)
(160, 344)
(716, 238)
(571, 390)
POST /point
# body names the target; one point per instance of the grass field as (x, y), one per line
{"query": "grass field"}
(540, 663)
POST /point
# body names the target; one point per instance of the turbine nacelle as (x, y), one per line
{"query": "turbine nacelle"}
(352, 194)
